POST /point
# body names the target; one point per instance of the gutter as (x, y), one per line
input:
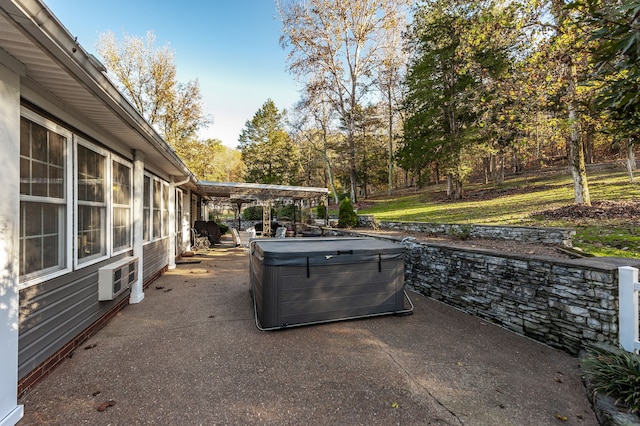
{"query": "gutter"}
(39, 23)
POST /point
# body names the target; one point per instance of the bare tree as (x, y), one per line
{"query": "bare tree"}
(390, 73)
(313, 123)
(147, 77)
(340, 41)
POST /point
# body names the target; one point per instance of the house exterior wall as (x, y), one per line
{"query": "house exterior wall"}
(154, 258)
(55, 312)
(74, 168)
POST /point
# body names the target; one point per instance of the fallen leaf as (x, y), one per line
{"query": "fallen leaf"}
(169, 289)
(562, 418)
(159, 287)
(395, 405)
(90, 346)
(106, 405)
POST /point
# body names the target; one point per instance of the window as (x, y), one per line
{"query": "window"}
(121, 197)
(157, 209)
(165, 210)
(146, 209)
(92, 204)
(43, 188)
(179, 218)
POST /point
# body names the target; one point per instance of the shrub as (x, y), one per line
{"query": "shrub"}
(321, 211)
(223, 228)
(616, 374)
(347, 217)
(461, 232)
(252, 213)
(286, 211)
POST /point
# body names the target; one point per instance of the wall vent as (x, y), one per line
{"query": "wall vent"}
(116, 278)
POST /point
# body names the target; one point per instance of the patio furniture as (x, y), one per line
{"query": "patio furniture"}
(200, 242)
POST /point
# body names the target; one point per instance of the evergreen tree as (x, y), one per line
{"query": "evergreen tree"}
(347, 217)
(267, 150)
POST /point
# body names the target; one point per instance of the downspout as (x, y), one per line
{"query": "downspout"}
(172, 220)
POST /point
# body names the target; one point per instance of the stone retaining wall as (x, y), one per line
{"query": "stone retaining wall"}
(566, 303)
(539, 235)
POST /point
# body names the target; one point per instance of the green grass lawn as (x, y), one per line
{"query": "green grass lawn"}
(516, 202)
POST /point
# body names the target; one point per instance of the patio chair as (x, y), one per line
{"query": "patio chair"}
(252, 232)
(236, 237)
(200, 242)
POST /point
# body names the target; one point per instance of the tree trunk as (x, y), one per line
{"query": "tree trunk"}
(390, 100)
(486, 165)
(459, 191)
(325, 155)
(631, 160)
(576, 146)
(365, 177)
(631, 155)
(449, 185)
(588, 146)
(353, 175)
(578, 166)
(494, 169)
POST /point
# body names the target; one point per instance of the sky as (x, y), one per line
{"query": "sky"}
(231, 47)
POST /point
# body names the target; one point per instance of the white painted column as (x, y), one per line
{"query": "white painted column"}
(137, 294)
(186, 218)
(172, 225)
(628, 308)
(10, 412)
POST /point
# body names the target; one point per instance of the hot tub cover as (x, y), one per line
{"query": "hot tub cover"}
(310, 281)
(323, 251)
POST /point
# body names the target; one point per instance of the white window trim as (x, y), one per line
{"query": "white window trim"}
(165, 210)
(107, 190)
(28, 281)
(150, 199)
(179, 220)
(165, 187)
(152, 236)
(131, 183)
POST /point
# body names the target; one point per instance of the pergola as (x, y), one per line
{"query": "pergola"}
(241, 192)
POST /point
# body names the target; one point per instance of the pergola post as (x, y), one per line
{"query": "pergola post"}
(266, 217)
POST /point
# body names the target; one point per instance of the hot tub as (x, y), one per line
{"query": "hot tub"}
(313, 280)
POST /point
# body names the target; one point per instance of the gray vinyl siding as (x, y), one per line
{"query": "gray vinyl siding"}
(55, 312)
(155, 257)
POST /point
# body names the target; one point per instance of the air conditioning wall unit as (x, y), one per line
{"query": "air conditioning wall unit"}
(116, 278)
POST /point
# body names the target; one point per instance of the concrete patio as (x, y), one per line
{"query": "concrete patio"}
(190, 353)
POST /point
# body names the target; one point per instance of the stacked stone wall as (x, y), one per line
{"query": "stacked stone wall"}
(530, 234)
(569, 304)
